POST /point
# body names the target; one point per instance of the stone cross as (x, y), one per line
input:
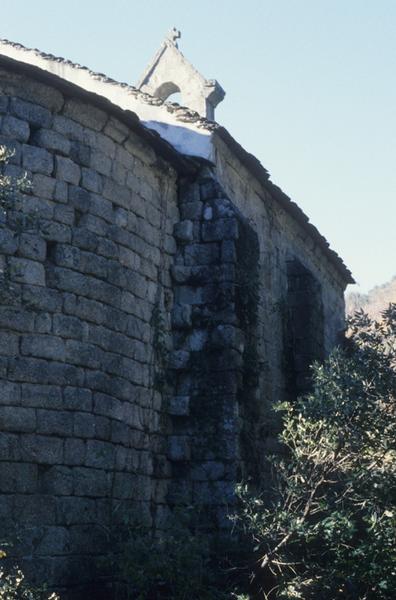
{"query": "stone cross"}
(174, 35)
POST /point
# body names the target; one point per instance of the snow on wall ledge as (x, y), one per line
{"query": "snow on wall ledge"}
(188, 133)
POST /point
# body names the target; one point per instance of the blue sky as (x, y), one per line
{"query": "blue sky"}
(311, 91)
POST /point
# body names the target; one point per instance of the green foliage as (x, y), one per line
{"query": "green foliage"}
(175, 564)
(11, 216)
(10, 187)
(330, 530)
(13, 585)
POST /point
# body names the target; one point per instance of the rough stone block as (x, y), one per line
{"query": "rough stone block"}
(54, 542)
(202, 254)
(85, 114)
(83, 308)
(227, 336)
(72, 511)
(183, 231)
(102, 429)
(77, 399)
(9, 344)
(87, 240)
(74, 452)
(61, 191)
(222, 229)
(116, 130)
(54, 422)
(37, 160)
(8, 241)
(35, 370)
(35, 114)
(102, 208)
(18, 478)
(185, 294)
(84, 425)
(51, 140)
(69, 327)
(214, 492)
(41, 396)
(117, 194)
(83, 354)
(32, 510)
(16, 319)
(68, 127)
(208, 213)
(181, 316)
(125, 486)
(100, 455)
(80, 153)
(92, 181)
(43, 299)
(179, 360)
(92, 483)
(55, 232)
(3, 104)
(65, 214)
(43, 346)
(67, 170)
(43, 323)
(32, 246)
(10, 393)
(27, 271)
(179, 406)
(43, 186)
(210, 470)
(57, 481)
(191, 210)
(15, 128)
(42, 449)
(17, 419)
(100, 162)
(108, 406)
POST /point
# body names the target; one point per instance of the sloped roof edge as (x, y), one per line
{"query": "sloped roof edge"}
(184, 164)
(256, 168)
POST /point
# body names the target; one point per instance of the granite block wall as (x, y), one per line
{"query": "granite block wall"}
(86, 255)
(148, 321)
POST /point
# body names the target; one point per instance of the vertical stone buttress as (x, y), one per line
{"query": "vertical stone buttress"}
(215, 309)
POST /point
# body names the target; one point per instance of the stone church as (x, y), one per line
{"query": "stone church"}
(158, 294)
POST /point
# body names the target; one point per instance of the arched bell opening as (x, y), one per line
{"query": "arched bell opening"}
(169, 91)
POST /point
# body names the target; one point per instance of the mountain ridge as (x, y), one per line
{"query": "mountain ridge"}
(374, 302)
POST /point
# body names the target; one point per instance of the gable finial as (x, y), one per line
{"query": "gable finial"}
(173, 35)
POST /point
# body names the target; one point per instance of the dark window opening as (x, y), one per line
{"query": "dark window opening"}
(304, 335)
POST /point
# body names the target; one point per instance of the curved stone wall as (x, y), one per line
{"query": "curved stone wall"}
(152, 309)
(85, 254)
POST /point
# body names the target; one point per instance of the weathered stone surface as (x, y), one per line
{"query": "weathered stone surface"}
(67, 170)
(35, 114)
(183, 231)
(179, 406)
(27, 271)
(144, 305)
(51, 140)
(15, 128)
(179, 448)
(37, 160)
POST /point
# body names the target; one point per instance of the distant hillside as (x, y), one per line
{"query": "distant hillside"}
(375, 301)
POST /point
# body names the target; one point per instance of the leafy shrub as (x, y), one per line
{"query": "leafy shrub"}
(13, 585)
(176, 564)
(330, 530)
